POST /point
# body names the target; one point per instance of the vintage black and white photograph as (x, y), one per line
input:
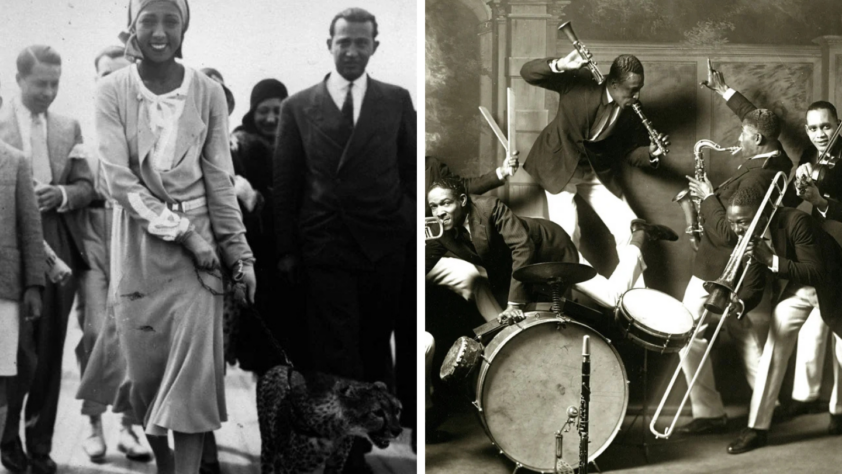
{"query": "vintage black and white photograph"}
(632, 236)
(208, 236)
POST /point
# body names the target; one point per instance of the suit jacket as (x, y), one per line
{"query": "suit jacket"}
(719, 240)
(504, 242)
(21, 239)
(807, 256)
(564, 142)
(435, 170)
(345, 197)
(63, 133)
(831, 190)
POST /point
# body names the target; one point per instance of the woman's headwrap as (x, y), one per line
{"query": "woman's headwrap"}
(129, 36)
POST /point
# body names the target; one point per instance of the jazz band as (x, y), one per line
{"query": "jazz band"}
(745, 232)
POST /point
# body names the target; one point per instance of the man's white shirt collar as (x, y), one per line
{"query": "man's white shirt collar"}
(337, 87)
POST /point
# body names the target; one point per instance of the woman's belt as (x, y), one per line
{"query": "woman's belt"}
(186, 206)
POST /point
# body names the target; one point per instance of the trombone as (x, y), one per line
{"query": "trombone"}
(723, 298)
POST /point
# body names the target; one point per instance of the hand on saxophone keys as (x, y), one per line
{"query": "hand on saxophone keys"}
(701, 189)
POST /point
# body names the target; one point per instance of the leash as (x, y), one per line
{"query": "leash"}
(238, 288)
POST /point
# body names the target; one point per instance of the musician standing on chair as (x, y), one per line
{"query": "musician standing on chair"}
(578, 151)
(812, 339)
(763, 158)
(483, 231)
(805, 264)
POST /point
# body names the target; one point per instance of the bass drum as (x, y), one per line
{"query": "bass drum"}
(531, 374)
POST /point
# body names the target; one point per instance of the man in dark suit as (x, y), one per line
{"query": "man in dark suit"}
(63, 185)
(344, 190)
(806, 266)
(822, 121)
(763, 157)
(578, 151)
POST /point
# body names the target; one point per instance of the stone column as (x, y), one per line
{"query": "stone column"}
(831, 68)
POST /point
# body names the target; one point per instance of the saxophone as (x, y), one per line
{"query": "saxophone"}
(690, 203)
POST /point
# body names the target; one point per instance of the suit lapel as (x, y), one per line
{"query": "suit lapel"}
(9, 130)
(479, 234)
(367, 122)
(326, 117)
(56, 136)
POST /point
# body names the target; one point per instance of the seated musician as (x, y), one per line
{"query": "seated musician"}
(461, 276)
(805, 264)
(483, 231)
(763, 157)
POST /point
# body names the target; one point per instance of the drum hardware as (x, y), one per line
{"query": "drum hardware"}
(561, 466)
(723, 299)
(559, 276)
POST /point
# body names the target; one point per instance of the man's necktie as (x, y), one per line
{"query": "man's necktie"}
(605, 118)
(348, 106)
(40, 156)
(465, 238)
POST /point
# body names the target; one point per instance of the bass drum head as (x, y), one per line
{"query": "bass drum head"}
(535, 374)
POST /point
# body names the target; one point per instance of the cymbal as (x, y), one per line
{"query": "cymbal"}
(568, 273)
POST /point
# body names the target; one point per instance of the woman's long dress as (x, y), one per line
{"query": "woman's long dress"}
(160, 150)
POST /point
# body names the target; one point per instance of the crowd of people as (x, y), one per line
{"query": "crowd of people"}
(191, 245)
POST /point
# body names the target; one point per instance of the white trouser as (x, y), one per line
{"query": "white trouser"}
(789, 315)
(607, 291)
(429, 348)
(809, 359)
(468, 281)
(614, 212)
(704, 398)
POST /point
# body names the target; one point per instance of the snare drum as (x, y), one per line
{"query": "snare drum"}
(654, 320)
(531, 373)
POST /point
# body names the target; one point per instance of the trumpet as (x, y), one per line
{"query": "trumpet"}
(433, 228)
(653, 134)
(690, 203)
(580, 47)
(723, 297)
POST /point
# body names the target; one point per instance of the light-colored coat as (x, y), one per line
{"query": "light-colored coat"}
(21, 248)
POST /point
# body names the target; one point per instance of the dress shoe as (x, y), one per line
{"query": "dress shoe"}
(129, 444)
(653, 231)
(42, 464)
(212, 467)
(835, 426)
(797, 408)
(94, 445)
(13, 457)
(749, 439)
(704, 426)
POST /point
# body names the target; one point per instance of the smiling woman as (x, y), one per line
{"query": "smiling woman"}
(177, 206)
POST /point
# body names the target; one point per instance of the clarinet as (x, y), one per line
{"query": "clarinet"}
(653, 134)
(584, 402)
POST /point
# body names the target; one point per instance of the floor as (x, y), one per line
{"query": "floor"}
(238, 440)
(801, 445)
